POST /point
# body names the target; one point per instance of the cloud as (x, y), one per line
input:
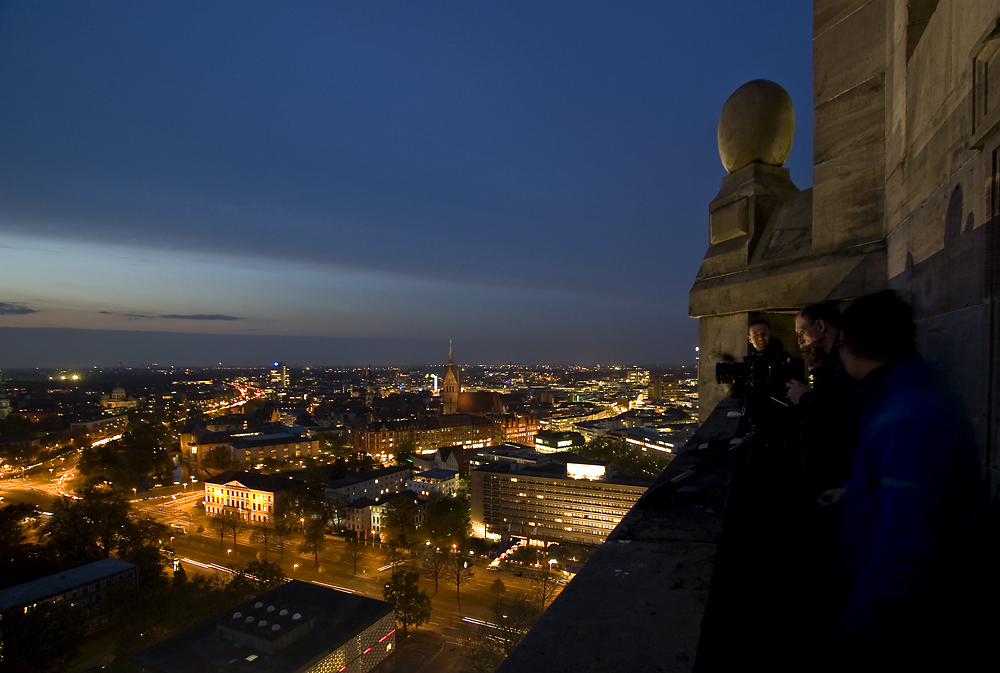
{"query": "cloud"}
(132, 316)
(200, 316)
(15, 309)
(172, 316)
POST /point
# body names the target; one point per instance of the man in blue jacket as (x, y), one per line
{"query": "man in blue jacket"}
(909, 505)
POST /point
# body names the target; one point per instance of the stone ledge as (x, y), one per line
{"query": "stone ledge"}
(638, 603)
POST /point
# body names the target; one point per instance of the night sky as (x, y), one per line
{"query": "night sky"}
(337, 183)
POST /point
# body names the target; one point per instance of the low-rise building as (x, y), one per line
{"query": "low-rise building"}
(100, 424)
(256, 498)
(429, 482)
(295, 628)
(371, 485)
(551, 441)
(367, 516)
(88, 588)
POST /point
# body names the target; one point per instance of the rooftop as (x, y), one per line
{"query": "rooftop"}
(53, 585)
(254, 481)
(328, 618)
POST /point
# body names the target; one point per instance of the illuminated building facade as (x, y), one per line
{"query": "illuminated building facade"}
(663, 388)
(380, 438)
(279, 375)
(429, 482)
(550, 441)
(256, 498)
(515, 428)
(575, 501)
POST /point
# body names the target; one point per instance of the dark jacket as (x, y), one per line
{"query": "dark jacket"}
(908, 515)
(828, 414)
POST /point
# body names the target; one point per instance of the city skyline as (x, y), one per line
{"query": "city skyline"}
(334, 185)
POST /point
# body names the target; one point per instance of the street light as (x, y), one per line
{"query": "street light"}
(229, 553)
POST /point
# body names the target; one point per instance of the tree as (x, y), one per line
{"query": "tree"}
(525, 555)
(219, 526)
(447, 520)
(11, 518)
(314, 538)
(89, 525)
(279, 536)
(401, 452)
(435, 562)
(354, 549)
(498, 587)
(412, 605)
(261, 533)
(400, 522)
(459, 570)
(255, 578)
(45, 638)
(235, 524)
(543, 588)
(510, 618)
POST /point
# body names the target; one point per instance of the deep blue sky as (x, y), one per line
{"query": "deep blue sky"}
(530, 180)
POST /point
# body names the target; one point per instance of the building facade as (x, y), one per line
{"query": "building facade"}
(429, 482)
(96, 589)
(380, 438)
(575, 501)
(371, 485)
(255, 498)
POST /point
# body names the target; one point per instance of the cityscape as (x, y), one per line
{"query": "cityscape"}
(342, 478)
(499, 337)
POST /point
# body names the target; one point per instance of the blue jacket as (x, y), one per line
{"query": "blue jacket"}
(909, 512)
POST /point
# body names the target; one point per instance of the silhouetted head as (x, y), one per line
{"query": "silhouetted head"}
(877, 329)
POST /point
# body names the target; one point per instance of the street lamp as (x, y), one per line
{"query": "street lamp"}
(229, 553)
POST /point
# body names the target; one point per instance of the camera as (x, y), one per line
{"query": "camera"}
(760, 372)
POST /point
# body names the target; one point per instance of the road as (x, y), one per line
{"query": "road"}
(178, 507)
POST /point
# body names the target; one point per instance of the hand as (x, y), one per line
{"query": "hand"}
(831, 497)
(796, 389)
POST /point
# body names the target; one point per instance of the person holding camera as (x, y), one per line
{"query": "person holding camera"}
(908, 509)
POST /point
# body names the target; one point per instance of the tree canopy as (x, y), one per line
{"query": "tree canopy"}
(412, 605)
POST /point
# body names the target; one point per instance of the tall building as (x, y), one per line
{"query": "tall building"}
(663, 388)
(452, 388)
(279, 375)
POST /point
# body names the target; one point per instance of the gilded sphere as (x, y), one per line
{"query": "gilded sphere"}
(757, 124)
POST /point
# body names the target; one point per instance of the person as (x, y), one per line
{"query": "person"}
(816, 329)
(827, 408)
(763, 342)
(908, 509)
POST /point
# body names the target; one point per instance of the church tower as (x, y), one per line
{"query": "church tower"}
(452, 388)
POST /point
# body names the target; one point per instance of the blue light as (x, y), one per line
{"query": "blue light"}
(275, 364)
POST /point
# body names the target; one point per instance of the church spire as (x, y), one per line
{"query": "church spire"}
(452, 385)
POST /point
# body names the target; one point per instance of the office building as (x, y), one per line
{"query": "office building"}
(568, 499)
